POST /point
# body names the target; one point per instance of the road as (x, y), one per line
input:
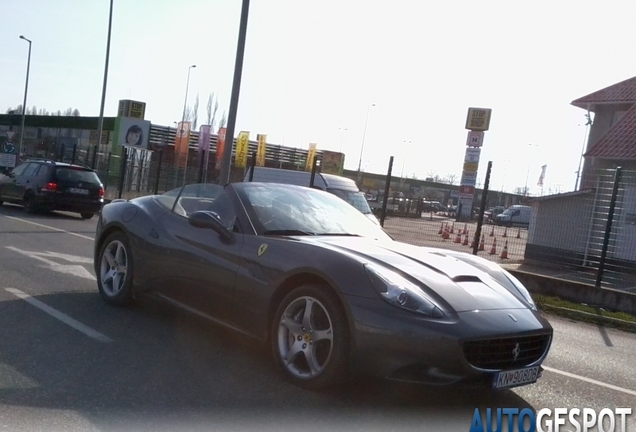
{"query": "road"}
(68, 362)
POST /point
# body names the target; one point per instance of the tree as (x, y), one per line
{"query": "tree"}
(211, 118)
(34, 111)
(522, 190)
(195, 113)
(451, 179)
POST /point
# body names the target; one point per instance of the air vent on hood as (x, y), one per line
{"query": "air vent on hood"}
(466, 278)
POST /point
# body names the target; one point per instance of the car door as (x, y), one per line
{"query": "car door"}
(12, 189)
(201, 268)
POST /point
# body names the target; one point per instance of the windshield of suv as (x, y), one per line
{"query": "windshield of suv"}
(356, 199)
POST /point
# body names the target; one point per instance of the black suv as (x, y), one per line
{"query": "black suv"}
(48, 185)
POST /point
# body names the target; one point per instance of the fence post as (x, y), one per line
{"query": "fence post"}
(480, 218)
(62, 153)
(122, 170)
(107, 171)
(74, 151)
(252, 165)
(608, 227)
(159, 158)
(387, 186)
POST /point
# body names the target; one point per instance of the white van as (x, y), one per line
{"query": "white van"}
(342, 187)
(515, 215)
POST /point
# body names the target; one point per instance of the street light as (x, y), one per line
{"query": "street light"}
(363, 136)
(100, 122)
(180, 131)
(26, 89)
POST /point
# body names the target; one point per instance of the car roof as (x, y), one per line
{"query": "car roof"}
(59, 164)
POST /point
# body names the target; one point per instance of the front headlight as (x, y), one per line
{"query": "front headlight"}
(400, 292)
(522, 289)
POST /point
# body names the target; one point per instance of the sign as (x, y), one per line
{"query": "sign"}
(478, 119)
(220, 145)
(131, 108)
(475, 139)
(311, 154)
(470, 181)
(470, 166)
(10, 134)
(332, 162)
(8, 151)
(466, 190)
(132, 132)
(94, 135)
(471, 156)
(7, 160)
(261, 149)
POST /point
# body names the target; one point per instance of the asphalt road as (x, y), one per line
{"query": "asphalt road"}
(68, 362)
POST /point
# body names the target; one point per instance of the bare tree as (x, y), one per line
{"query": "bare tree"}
(195, 113)
(451, 179)
(223, 119)
(212, 108)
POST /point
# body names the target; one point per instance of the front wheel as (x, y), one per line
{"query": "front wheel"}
(115, 270)
(86, 215)
(310, 339)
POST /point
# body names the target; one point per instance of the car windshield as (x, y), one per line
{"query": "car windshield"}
(286, 209)
(76, 175)
(355, 198)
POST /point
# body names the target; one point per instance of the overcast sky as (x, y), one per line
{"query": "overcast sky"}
(313, 69)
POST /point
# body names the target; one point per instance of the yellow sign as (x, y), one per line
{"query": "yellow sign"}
(260, 151)
(478, 119)
(471, 166)
(311, 154)
(94, 135)
(131, 108)
(242, 148)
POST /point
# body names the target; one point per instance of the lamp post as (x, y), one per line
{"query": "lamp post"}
(100, 122)
(366, 122)
(26, 89)
(180, 131)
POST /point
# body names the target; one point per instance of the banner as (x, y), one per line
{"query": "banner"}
(311, 154)
(132, 132)
(542, 176)
(181, 140)
(260, 151)
(242, 148)
(220, 145)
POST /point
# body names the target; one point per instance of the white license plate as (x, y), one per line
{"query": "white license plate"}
(517, 377)
(78, 191)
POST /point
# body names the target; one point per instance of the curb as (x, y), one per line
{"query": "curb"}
(590, 317)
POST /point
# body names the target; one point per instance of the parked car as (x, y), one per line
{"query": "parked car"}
(515, 215)
(42, 184)
(326, 288)
(433, 206)
(492, 212)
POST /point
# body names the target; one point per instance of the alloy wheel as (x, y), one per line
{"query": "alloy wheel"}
(113, 268)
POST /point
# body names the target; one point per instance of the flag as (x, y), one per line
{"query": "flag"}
(260, 151)
(311, 154)
(220, 145)
(242, 148)
(204, 140)
(182, 139)
(542, 176)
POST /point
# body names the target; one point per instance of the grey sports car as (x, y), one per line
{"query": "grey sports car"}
(329, 290)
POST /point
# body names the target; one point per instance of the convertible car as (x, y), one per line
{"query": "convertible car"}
(329, 290)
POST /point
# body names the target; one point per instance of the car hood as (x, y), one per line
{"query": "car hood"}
(466, 282)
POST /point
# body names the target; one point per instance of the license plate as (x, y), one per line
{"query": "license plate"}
(78, 191)
(517, 377)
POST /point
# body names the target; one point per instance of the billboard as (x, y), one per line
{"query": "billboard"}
(132, 132)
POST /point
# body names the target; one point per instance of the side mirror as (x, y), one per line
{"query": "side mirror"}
(211, 220)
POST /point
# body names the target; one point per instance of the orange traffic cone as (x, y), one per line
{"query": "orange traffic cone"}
(482, 246)
(505, 234)
(504, 252)
(493, 249)
(458, 238)
(446, 234)
(465, 239)
(492, 233)
(441, 229)
(519, 233)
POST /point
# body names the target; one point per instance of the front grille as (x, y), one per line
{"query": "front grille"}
(500, 353)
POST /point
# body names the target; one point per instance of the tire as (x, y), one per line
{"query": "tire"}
(115, 270)
(320, 338)
(28, 203)
(86, 215)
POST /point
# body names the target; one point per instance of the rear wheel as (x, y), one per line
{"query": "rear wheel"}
(86, 215)
(310, 338)
(115, 270)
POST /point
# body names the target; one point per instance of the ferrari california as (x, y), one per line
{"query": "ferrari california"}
(329, 290)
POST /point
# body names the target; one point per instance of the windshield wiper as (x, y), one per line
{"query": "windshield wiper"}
(338, 234)
(287, 232)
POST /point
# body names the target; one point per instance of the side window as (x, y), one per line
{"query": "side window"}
(33, 172)
(516, 213)
(17, 171)
(208, 197)
(44, 171)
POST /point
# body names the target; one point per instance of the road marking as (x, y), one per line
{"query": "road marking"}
(72, 269)
(51, 228)
(590, 380)
(59, 315)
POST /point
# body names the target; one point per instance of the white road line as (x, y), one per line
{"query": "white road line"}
(590, 380)
(59, 315)
(50, 227)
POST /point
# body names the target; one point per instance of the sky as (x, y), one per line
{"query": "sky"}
(370, 78)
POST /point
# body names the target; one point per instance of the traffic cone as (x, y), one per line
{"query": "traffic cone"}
(493, 249)
(452, 229)
(492, 233)
(465, 239)
(482, 246)
(458, 238)
(518, 232)
(505, 234)
(441, 229)
(446, 234)
(504, 252)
